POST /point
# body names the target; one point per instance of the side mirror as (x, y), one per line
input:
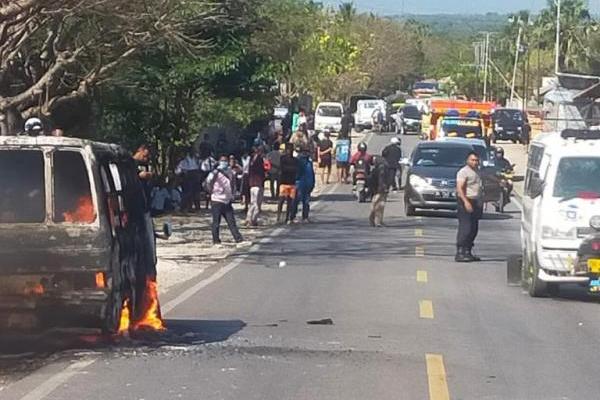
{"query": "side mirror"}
(536, 187)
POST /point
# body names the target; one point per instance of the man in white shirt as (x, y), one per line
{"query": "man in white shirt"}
(189, 169)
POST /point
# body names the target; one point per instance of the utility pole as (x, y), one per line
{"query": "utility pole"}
(557, 45)
(514, 77)
(486, 66)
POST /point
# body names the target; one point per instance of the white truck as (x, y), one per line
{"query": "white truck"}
(363, 119)
(329, 116)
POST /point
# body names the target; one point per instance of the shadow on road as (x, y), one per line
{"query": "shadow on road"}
(23, 353)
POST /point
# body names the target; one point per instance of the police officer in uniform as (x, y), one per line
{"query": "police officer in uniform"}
(470, 208)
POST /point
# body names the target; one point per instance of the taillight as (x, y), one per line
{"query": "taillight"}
(596, 246)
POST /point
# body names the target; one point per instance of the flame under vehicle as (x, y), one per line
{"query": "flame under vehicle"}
(77, 240)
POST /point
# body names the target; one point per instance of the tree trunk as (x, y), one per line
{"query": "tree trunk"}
(11, 122)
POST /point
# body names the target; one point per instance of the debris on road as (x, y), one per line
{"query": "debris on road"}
(326, 321)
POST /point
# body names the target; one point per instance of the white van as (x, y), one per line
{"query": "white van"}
(329, 116)
(562, 194)
(363, 119)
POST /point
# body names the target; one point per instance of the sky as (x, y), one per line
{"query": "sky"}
(387, 7)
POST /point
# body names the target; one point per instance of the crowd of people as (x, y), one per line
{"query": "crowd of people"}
(284, 162)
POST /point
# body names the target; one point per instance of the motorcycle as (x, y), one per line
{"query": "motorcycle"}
(587, 262)
(360, 177)
(506, 177)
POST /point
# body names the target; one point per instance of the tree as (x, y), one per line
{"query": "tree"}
(55, 52)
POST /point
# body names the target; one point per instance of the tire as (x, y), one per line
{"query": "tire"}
(537, 287)
(112, 313)
(358, 129)
(409, 209)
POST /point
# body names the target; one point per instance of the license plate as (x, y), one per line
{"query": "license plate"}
(446, 195)
(594, 266)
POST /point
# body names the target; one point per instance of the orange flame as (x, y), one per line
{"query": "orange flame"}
(125, 318)
(84, 214)
(36, 290)
(151, 317)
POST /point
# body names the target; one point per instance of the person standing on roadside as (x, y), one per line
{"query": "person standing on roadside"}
(325, 157)
(379, 186)
(221, 186)
(274, 157)
(189, 170)
(256, 181)
(142, 160)
(287, 188)
(342, 159)
(470, 208)
(393, 154)
(305, 183)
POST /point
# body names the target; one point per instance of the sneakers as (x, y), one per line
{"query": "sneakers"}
(243, 244)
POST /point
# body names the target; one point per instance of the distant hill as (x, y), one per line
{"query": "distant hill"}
(459, 25)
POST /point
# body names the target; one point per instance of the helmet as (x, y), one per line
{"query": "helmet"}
(34, 127)
(500, 151)
(362, 147)
(396, 140)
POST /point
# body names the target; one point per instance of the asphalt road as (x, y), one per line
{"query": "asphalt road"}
(406, 322)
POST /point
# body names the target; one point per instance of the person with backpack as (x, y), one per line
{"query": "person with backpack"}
(220, 185)
(342, 158)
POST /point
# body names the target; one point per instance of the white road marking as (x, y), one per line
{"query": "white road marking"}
(48, 386)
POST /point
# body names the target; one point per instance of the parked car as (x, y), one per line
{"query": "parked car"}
(510, 124)
(363, 119)
(76, 236)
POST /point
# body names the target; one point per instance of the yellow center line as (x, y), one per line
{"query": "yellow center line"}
(422, 276)
(426, 309)
(418, 232)
(436, 376)
(419, 251)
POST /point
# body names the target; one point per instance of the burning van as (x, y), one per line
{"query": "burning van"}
(77, 242)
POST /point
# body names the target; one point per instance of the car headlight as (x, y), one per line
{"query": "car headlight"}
(420, 183)
(549, 232)
(498, 127)
(520, 128)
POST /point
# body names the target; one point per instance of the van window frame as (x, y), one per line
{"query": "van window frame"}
(87, 161)
(534, 164)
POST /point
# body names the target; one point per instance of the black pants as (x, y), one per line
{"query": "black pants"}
(224, 210)
(468, 223)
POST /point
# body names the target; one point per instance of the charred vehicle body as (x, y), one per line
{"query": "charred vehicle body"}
(76, 238)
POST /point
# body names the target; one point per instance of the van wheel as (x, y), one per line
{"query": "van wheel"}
(537, 287)
(112, 314)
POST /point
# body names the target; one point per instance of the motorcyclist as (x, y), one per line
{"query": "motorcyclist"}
(505, 167)
(393, 154)
(503, 164)
(361, 168)
(378, 119)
